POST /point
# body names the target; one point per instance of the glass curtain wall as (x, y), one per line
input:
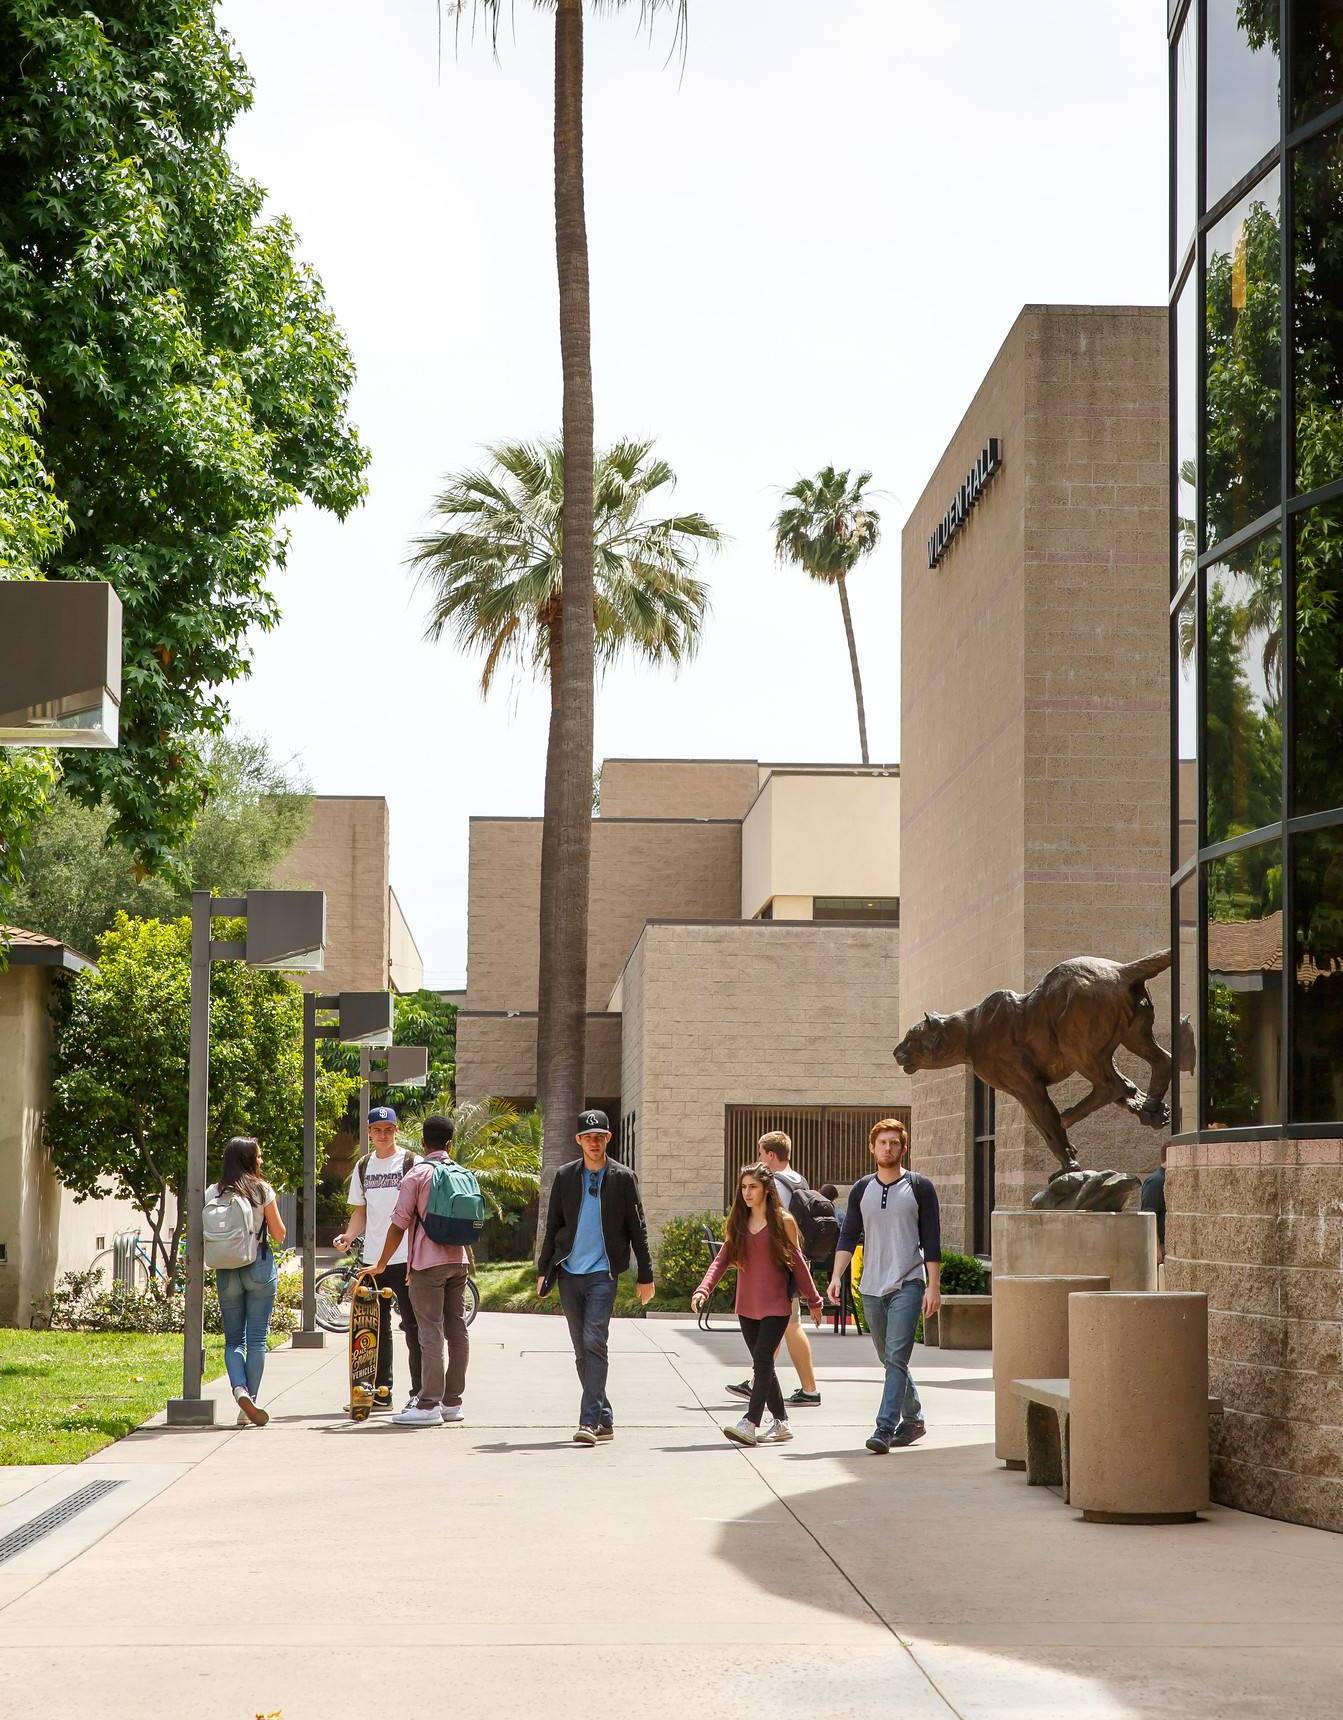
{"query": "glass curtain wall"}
(1256, 618)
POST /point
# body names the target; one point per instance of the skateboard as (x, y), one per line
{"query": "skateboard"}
(364, 1312)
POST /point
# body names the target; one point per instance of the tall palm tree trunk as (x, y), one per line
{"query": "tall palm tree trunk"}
(566, 840)
(853, 664)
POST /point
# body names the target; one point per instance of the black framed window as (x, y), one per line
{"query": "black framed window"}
(983, 1147)
(1241, 103)
(1242, 712)
(883, 909)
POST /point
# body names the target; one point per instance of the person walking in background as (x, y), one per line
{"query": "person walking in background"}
(762, 1241)
(894, 1213)
(436, 1279)
(241, 1222)
(776, 1152)
(594, 1219)
(375, 1184)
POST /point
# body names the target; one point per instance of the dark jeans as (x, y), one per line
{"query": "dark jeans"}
(394, 1278)
(762, 1339)
(588, 1298)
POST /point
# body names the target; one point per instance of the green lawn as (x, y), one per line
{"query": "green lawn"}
(509, 1287)
(65, 1395)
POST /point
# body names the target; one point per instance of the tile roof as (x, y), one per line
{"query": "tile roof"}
(36, 949)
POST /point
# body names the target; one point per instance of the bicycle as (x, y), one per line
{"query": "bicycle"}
(335, 1288)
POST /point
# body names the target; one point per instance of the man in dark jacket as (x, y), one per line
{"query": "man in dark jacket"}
(594, 1219)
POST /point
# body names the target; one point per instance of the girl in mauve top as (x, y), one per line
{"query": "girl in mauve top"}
(762, 1243)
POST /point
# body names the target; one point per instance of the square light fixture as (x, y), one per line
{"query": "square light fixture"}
(286, 930)
(406, 1066)
(365, 1018)
(60, 663)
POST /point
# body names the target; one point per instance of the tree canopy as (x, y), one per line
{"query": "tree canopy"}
(193, 381)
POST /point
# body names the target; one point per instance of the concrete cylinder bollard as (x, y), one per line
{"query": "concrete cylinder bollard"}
(1030, 1342)
(1138, 1415)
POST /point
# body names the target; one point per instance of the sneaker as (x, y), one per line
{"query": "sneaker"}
(250, 1408)
(586, 1436)
(776, 1432)
(382, 1399)
(809, 1398)
(744, 1433)
(414, 1416)
(605, 1434)
(242, 1420)
(743, 1390)
(412, 1400)
(452, 1412)
(908, 1432)
(879, 1444)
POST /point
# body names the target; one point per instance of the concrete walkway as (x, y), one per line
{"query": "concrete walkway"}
(320, 1569)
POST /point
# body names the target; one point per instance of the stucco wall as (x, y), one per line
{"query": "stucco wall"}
(496, 1056)
(821, 834)
(677, 788)
(344, 851)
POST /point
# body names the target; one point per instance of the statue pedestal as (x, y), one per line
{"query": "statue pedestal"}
(1120, 1246)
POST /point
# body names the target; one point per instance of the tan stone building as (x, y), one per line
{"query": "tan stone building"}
(743, 965)
(1034, 729)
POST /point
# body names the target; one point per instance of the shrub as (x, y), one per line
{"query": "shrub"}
(963, 1274)
(683, 1257)
(81, 1302)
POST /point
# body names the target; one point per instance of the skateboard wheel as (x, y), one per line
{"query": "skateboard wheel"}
(360, 1414)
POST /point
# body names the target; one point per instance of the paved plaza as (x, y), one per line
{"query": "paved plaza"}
(320, 1568)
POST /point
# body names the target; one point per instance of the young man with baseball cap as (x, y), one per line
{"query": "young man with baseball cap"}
(374, 1186)
(594, 1219)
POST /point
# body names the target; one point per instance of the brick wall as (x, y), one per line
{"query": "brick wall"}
(678, 788)
(496, 1056)
(344, 851)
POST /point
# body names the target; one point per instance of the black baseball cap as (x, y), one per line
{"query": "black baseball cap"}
(590, 1121)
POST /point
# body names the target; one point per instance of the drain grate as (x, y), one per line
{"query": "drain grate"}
(20, 1539)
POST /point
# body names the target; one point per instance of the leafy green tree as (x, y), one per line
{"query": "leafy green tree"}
(493, 566)
(193, 380)
(826, 530)
(118, 1113)
(77, 878)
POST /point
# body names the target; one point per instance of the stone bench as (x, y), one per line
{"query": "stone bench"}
(962, 1323)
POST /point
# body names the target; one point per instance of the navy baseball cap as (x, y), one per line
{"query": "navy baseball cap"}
(590, 1121)
(382, 1114)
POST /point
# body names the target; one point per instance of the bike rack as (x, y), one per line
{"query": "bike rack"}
(124, 1246)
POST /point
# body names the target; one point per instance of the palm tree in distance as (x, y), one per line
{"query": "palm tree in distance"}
(826, 529)
(493, 563)
(566, 834)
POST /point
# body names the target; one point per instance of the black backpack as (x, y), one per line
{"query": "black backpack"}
(817, 1222)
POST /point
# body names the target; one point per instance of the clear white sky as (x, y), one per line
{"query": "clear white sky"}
(806, 246)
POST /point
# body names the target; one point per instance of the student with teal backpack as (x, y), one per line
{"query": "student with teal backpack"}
(441, 1212)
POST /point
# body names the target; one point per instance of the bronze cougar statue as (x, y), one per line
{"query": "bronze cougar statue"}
(1072, 1023)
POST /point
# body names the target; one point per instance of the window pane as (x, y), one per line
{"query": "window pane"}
(885, 909)
(1186, 424)
(1186, 732)
(1242, 354)
(1242, 1035)
(1242, 730)
(1317, 57)
(1186, 132)
(1185, 1037)
(1242, 89)
(1317, 978)
(1317, 332)
(1317, 743)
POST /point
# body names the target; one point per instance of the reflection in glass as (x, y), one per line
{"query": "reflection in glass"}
(1242, 354)
(1185, 1037)
(1317, 742)
(1186, 424)
(1317, 56)
(1242, 724)
(1242, 89)
(1317, 332)
(1186, 132)
(1242, 1030)
(1317, 978)
(1186, 729)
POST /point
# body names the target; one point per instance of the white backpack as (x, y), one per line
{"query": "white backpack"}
(230, 1229)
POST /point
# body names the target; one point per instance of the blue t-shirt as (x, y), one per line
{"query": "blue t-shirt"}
(588, 1253)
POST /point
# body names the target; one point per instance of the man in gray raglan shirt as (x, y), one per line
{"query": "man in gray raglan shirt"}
(894, 1214)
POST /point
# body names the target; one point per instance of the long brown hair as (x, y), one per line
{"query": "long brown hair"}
(781, 1227)
(240, 1171)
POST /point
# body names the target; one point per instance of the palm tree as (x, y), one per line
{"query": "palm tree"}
(502, 1146)
(566, 835)
(493, 561)
(827, 530)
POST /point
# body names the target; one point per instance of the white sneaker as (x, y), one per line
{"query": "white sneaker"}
(776, 1432)
(417, 1417)
(452, 1412)
(242, 1420)
(249, 1407)
(744, 1433)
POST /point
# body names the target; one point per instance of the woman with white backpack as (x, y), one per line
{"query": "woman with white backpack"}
(241, 1222)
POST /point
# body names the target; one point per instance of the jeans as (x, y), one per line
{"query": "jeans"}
(892, 1320)
(394, 1278)
(438, 1296)
(588, 1299)
(246, 1297)
(762, 1339)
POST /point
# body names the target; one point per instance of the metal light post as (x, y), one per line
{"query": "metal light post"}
(395, 1066)
(286, 929)
(363, 1018)
(60, 663)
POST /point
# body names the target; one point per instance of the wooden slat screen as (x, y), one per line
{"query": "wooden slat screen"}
(829, 1141)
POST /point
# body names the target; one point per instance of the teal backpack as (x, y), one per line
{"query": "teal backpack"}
(455, 1211)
